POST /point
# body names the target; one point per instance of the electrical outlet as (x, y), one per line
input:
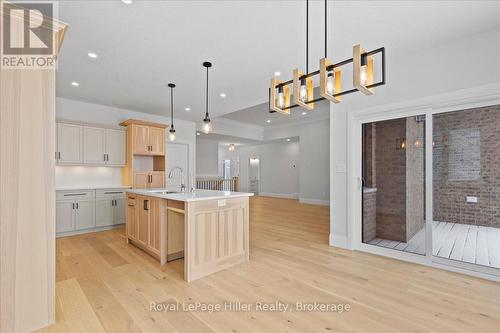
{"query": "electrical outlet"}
(471, 199)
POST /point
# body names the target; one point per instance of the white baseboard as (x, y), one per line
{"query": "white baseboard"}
(314, 202)
(279, 195)
(86, 231)
(339, 241)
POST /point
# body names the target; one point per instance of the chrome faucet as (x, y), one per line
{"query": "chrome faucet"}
(171, 174)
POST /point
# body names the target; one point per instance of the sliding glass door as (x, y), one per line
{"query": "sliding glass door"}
(466, 186)
(430, 186)
(393, 178)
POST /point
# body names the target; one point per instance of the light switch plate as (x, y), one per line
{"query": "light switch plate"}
(471, 199)
(221, 203)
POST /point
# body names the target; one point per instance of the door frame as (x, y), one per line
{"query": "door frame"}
(186, 172)
(257, 157)
(454, 101)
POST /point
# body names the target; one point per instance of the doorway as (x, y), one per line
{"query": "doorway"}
(254, 175)
(178, 172)
(428, 187)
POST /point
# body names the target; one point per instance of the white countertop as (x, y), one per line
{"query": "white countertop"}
(87, 187)
(197, 195)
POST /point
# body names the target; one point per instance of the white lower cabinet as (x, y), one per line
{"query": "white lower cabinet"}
(89, 210)
(65, 221)
(84, 214)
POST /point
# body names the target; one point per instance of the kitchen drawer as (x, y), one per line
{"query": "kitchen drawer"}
(110, 192)
(75, 195)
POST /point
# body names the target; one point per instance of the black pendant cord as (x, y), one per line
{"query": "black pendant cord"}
(171, 86)
(326, 28)
(206, 106)
(172, 107)
(307, 36)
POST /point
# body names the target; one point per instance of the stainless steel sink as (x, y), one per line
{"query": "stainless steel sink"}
(163, 192)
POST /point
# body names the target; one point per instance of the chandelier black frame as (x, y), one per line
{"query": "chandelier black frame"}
(360, 58)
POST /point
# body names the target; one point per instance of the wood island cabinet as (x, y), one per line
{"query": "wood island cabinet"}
(147, 221)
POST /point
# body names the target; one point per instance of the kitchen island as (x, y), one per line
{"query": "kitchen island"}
(209, 229)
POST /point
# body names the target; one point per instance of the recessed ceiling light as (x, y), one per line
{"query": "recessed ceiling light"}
(198, 133)
(304, 113)
(127, 2)
(92, 55)
(223, 95)
(288, 140)
(75, 84)
(187, 109)
(268, 121)
(277, 73)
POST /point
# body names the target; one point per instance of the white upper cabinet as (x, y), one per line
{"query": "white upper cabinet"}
(88, 145)
(94, 145)
(69, 144)
(115, 147)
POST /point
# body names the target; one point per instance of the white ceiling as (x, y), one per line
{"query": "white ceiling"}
(147, 44)
(226, 140)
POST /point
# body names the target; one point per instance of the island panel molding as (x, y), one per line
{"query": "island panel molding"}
(210, 229)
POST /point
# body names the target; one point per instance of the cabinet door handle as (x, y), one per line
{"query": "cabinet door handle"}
(73, 205)
(146, 204)
(77, 206)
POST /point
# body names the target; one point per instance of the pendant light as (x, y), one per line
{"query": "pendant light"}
(171, 136)
(207, 124)
(330, 76)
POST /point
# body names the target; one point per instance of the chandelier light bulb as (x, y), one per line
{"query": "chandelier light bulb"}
(281, 98)
(172, 136)
(303, 90)
(330, 84)
(363, 77)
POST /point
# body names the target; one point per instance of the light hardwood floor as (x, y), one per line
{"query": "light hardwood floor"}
(103, 284)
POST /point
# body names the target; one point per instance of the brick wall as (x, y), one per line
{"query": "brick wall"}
(369, 215)
(466, 162)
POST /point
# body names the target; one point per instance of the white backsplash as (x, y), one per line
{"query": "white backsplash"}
(86, 176)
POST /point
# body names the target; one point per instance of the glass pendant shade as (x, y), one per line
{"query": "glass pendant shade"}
(303, 90)
(330, 84)
(281, 98)
(171, 135)
(207, 125)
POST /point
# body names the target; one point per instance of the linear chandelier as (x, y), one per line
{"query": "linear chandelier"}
(330, 77)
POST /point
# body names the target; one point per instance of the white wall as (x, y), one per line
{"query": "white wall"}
(314, 157)
(207, 158)
(73, 110)
(470, 62)
(279, 166)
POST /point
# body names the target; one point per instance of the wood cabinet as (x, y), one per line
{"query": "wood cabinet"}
(132, 218)
(90, 145)
(153, 179)
(157, 141)
(140, 141)
(155, 220)
(144, 219)
(69, 144)
(148, 140)
(145, 154)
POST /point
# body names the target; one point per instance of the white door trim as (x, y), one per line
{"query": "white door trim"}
(454, 101)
